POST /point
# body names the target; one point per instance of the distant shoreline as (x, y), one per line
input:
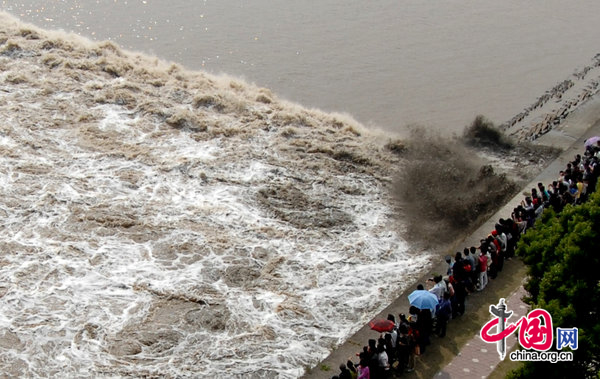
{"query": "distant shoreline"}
(555, 105)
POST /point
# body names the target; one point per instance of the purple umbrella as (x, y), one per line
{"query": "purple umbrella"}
(591, 141)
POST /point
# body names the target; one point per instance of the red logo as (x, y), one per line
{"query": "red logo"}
(535, 329)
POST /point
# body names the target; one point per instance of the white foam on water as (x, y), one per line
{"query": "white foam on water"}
(71, 277)
(130, 247)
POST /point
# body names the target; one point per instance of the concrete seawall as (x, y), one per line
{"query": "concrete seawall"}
(569, 136)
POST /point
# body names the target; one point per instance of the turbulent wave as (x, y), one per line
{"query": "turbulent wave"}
(157, 221)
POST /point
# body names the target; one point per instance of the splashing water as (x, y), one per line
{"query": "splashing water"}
(163, 222)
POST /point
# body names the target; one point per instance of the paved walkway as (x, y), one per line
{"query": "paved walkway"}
(477, 359)
(569, 136)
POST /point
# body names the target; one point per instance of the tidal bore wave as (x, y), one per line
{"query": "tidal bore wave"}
(157, 221)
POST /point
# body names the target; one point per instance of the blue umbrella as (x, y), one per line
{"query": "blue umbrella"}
(423, 300)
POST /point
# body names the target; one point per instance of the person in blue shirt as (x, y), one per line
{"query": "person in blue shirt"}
(443, 313)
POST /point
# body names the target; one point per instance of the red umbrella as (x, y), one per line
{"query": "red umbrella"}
(381, 325)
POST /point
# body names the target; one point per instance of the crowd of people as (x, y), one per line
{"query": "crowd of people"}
(469, 271)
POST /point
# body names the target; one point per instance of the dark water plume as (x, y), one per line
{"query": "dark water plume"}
(444, 188)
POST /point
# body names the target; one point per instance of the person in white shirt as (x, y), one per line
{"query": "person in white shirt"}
(439, 288)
